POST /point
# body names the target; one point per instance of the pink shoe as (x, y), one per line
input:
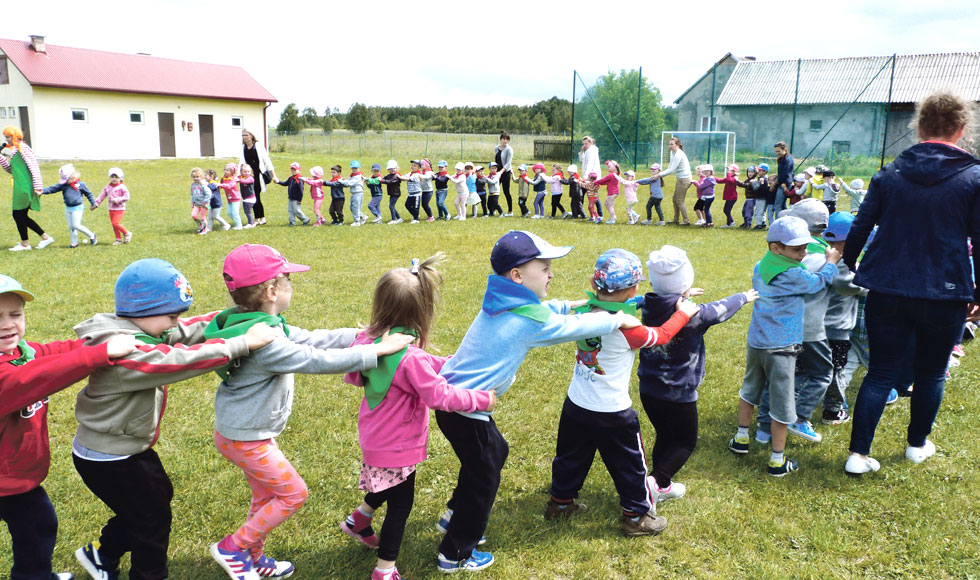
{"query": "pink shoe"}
(365, 536)
(958, 350)
(386, 575)
(431, 219)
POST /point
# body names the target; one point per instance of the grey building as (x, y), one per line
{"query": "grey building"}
(848, 106)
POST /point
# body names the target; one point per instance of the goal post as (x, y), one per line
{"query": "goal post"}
(701, 147)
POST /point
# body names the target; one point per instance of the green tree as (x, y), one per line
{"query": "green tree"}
(289, 119)
(358, 118)
(670, 118)
(310, 118)
(615, 95)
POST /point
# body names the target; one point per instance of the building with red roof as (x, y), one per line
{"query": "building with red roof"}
(79, 103)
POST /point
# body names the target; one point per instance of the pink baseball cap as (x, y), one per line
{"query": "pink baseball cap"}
(251, 264)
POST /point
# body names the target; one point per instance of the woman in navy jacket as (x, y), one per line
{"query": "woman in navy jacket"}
(926, 205)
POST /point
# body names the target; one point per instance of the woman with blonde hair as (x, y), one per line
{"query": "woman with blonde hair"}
(19, 161)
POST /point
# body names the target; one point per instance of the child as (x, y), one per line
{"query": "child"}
(336, 185)
(393, 422)
(656, 183)
(119, 413)
(255, 397)
(214, 214)
(462, 191)
(764, 191)
(592, 194)
(441, 181)
(706, 195)
(393, 181)
(472, 198)
(246, 182)
(118, 195)
(830, 188)
(574, 192)
(730, 193)
(229, 183)
(523, 187)
(775, 334)
(294, 193)
(795, 193)
(629, 190)
(481, 190)
(374, 184)
(671, 374)
(856, 192)
(539, 183)
(493, 190)
(413, 188)
(425, 180)
(513, 320)
(200, 200)
(29, 373)
(597, 414)
(749, 206)
(315, 181)
(19, 160)
(356, 184)
(555, 184)
(72, 188)
(611, 181)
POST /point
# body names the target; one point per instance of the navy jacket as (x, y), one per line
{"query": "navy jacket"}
(926, 204)
(215, 195)
(294, 191)
(336, 189)
(73, 197)
(673, 371)
(784, 171)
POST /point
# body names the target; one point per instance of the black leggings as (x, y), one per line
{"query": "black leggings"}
(337, 209)
(412, 204)
(676, 425)
(400, 499)
(505, 179)
(426, 198)
(556, 205)
(24, 222)
(258, 208)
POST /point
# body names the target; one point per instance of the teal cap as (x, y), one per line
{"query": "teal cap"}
(8, 284)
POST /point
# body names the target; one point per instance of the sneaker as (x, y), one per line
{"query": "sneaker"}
(267, 567)
(699, 223)
(129, 236)
(661, 223)
(386, 575)
(673, 491)
(508, 214)
(307, 222)
(93, 240)
(536, 217)
(236, 228)
(73, 246)
(647, 525)
(920, 454)
(236, 563)
(763, 437)
(118, 242)
(738, 445)
(88, 556)
(805, 430)
(227, 227)
(646, 222)
(837, 417)
(19, 248)
(365, 536)
(205, 231)
(247, 226)
(477, 561)
(377, 220)
(64, 576)
(554, 510)
(356, 224)
(953, 361)
(568, 215)
(428, 219)
(443, 526)
(414, 222)
(892, 397)
(779, 470)
(44, 243)
(399, 220)
(856, 465)
(611, 222)
(958, 350)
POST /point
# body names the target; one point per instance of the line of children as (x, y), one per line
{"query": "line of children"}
(294, 195)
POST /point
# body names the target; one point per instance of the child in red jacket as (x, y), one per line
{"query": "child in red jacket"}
(29, 373)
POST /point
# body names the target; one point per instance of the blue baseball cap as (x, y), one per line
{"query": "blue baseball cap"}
(617, 269)
(355, 164)
(442, 163)
(789, 231)
(376, 167)
(8, 284)
(519, 247)
(763, 167)
(152, 287)
(838, 225)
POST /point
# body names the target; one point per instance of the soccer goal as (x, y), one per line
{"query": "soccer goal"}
(701, 147)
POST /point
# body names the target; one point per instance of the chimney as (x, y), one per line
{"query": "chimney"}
(37, 43)
(748, 57)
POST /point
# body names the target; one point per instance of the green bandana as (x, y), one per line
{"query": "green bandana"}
(232, 322)
(607, 306)
(26, 354)
(772, 265)
(536, 312)
(377, 381)
(820, 247)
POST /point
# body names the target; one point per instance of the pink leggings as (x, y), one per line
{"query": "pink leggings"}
(610, 203)
(277, 490)
(317, 204)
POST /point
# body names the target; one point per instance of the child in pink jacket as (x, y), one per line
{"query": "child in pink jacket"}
(118, 195)
(393, 423)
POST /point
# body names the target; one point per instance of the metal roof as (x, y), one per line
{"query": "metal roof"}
(95, 70)
(706, 73)
(842, 80)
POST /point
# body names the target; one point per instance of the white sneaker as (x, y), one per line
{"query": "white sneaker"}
(645, 222)
(675, 490)
(19, 248)
(920, 454)
(356, 224)
(129, 236)
(508, 215)
(856, 465)
(64, 576)
(377, 220)
(238, 228)
(699, 222)
(535, 217)
(45, 243)
(661, 223)
(226, 227)
(414, 222)
(246, 226)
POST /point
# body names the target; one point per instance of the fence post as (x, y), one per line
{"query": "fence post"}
(636, 135)
(711, 107)
(304, 141)
(888, 107)
(796, 98)
(462, 139)
(426, 154)
(571, 138)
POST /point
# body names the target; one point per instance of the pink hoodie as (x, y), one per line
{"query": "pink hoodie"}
(395, 433)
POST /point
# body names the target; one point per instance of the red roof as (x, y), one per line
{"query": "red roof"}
(95, 70)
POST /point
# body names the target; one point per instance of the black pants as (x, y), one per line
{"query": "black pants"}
(677, 435)
(522, 203)
(556, 205)
(616, 436)
(482, 452)
(426, 198)
(24, 222)
(493, 204)
(505, 181)
(576, 203)
(412, 204)
(259, 209)
(483, 203)
(337, 209)
(400, 499)
(33, 529)
(138, 491)
(831, 206)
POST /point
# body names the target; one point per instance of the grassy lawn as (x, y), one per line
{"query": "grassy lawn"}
(736, 522)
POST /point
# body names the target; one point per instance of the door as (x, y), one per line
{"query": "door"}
(25, 125)
(168, 144)
(206, 124)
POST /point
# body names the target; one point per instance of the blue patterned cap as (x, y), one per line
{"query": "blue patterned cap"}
(617, 269)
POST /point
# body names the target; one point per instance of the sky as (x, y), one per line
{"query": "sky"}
(333, 54)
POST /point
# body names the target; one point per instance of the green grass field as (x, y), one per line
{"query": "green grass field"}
(907, 521)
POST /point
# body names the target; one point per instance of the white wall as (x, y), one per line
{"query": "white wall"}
(109, 134)
(15, 94)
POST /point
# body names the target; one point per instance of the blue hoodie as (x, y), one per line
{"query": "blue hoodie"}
(73, 197)
(925, 203)
(497, 342)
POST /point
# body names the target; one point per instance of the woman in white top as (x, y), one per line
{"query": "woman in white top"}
(588, 157)
(681, 169)
(256, 157)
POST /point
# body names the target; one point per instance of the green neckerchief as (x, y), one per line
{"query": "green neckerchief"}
(536, 312)
(233, 322)
(147, 339)
(377, 381)
(613, 307)
(772, 265)
(820, 247)
(26, 354)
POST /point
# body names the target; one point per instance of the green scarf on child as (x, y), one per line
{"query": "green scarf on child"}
(536, 312)
(772, 265)
(377, 381)
(26, 354)
(594, 302)
(233, 322)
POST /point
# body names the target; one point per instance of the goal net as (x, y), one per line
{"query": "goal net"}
(701, 147)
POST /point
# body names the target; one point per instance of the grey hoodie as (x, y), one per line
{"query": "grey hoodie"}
(842, 305)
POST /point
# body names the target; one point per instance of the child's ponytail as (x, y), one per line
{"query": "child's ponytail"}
(407, 297)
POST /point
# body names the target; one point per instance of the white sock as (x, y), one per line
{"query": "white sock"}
(776, 458)
(742, 432)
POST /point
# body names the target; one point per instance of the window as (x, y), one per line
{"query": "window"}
(706, 127)
(841, 147)
(236, 122)
(136, 117)
(3, 113)
(13, 112)
(4, 77)
(816, 125)
(79, 115)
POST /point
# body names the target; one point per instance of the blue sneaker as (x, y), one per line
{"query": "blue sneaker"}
(237, 564)
(443, 526)
(738, 445)
(892, 397)
(805, 430)
(476, 561)
(779, 470)
(267, 567)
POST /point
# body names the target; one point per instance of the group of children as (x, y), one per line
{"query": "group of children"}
(73, 189)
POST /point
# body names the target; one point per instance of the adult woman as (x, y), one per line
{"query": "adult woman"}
(588, 157)
(503, 155)
(22, 165)
(926, 204)
(258, 159)
(680, 167)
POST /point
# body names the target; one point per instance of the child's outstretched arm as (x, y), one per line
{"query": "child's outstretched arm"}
(417, 371)
(647, 336)
(721, 310)
(288, 356)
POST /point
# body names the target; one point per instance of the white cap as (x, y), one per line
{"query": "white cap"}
(392, 164)
(857, 184)
(117, 172)
(573, 168)
(800, 177)
(670, 271)
(65, 172)
(460, 166)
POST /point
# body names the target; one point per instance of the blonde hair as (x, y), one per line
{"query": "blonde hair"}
(942, 114)
(404, 298)
(251, 298)
(197, 171)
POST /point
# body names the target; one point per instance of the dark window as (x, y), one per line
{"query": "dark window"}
(80, 115)
(236, 121)
(4, 78)
(136, 117)
(816, 125)
(841, 147)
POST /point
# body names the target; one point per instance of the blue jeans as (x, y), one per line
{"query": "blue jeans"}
(426, 198)
(707, 209)
(356, 199)
(748, 209)
(654, 202)
(892, 322)
(780, 198)
(393, 206)
(375, 205)
(814, 371)
(771, 212)
(441, 203)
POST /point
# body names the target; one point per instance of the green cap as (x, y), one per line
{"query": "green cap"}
(8, 284)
